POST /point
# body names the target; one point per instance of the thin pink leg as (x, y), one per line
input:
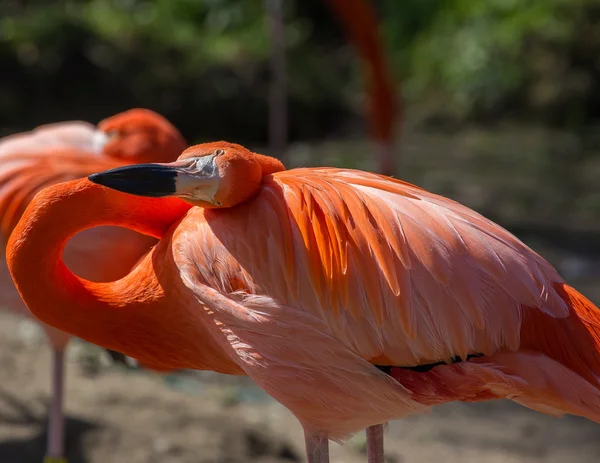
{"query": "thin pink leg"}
(317, 448)
(375, 444)
(55, 444)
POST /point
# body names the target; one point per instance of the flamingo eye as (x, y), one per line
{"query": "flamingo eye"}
(219, 152)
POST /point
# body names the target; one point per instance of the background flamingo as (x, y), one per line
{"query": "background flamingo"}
(66, 151)
(359, 19)
(350, 297)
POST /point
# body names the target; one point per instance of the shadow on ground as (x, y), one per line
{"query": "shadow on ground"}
(31, 447)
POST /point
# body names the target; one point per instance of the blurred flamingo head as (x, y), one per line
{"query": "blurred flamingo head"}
(141, 135)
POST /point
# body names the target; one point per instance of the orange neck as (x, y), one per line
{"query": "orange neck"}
(359, 19)
(127, 315)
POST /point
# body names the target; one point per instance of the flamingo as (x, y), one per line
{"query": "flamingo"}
(64, 151)
(360, 22)
(351, 298)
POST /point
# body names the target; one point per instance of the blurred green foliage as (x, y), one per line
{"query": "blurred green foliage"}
(204, 63)
(487, 55)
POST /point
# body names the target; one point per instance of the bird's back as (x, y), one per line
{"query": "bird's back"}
(72, 135)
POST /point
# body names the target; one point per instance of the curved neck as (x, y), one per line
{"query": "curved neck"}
(359, 19)
(97, 312)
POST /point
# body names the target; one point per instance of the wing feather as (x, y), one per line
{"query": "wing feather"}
(398, 273)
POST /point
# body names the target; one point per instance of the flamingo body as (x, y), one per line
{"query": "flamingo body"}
(351, 298)
(78, 135)
(339, 270)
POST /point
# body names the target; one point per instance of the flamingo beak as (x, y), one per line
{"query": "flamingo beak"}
(154, 180)
(192, 179)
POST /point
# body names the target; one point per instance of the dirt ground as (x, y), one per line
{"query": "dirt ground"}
(114, 415)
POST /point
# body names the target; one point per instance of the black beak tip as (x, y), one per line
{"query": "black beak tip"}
(95, 178)
(141, 180)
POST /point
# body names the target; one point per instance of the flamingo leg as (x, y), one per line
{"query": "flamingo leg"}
(317, 448)
(375, 444)
(55, 446)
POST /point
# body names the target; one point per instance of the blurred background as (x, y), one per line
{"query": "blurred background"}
(500, 110)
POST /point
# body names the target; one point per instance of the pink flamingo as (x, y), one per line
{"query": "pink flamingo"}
(65, 151)
(350, 297)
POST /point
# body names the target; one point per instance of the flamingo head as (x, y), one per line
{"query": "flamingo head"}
(140, 135)
(209, 175)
